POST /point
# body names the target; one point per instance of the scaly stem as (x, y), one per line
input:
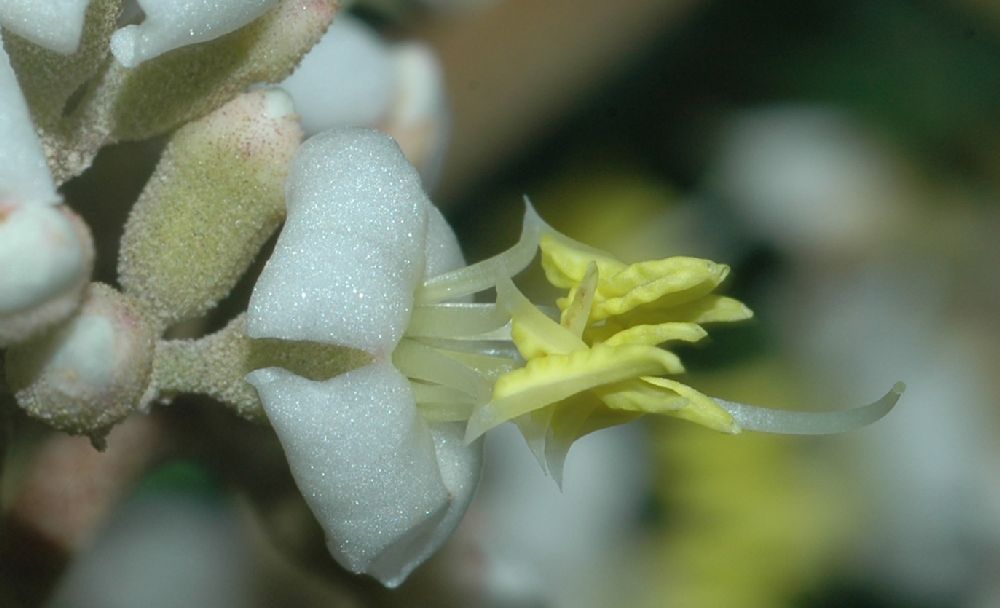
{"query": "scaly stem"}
(216, 364)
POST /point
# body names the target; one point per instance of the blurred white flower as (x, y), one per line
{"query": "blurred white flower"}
(346, 80)
(810, 179)
(354, 78)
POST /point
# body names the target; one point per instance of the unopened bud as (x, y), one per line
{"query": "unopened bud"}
(84, 376)
(215, 197)
(46, 254)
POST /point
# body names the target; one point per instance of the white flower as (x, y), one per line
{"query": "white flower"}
(353, 78)
(365, 262)
(387, 486)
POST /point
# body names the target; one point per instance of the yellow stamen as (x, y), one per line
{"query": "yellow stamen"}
(548, 379)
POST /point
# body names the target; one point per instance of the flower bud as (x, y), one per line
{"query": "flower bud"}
(86, 375)
(215, 197)
(24, 172)
(46, 254)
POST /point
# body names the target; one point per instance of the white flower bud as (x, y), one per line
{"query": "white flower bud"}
(86, 375)
(46, 254)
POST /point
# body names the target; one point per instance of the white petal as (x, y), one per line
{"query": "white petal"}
(53, 24)
(24, 173)
(367, 465)
(352, 249)
(41, 256)
(460, 466)
(171, 24)
(347, 79)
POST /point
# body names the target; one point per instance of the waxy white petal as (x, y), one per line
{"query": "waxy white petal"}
(40, 256)
(24, 173)
(386, 490)
(352, 250)
(460, 466)
(171, 24)
(53, 24)
(46, 254)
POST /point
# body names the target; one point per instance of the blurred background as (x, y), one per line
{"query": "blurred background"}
(842, 157)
